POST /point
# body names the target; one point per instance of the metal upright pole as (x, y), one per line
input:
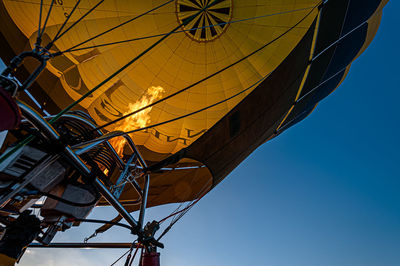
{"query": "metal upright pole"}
(116, 204)
(144, 200)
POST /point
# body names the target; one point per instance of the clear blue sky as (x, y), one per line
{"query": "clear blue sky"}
(325, 192)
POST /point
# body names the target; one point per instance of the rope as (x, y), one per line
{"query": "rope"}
(40, 24)
(55, 118)
(72, 49)
(119, 133)
(182, 212)
(123, 255)
(129, 255)
(190, 86)
(40, 33)
(178, 212)
(305, 95)
(16, 148)
(80, 19)
(29, 139)
(206, 78)
(126, 65)
(129, 261)
(111, 29)
(49, 45)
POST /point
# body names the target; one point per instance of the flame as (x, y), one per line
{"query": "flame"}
(137, 120)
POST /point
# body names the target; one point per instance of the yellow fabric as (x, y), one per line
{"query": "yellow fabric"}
(6, 261)
(179, 61)
(305, 74)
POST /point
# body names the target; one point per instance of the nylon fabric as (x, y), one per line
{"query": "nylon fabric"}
(305, 52)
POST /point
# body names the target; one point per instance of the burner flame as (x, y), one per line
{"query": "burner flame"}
(138, 120)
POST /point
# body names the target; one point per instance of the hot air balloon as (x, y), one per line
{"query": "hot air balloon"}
(137, 104)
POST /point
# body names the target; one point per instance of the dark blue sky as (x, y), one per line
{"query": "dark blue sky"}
(323, 193)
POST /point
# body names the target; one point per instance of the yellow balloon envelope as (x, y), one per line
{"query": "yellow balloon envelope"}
(226, 75)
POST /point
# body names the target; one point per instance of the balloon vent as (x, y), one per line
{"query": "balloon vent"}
(211, 18)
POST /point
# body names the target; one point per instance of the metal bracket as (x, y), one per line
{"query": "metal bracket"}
(81, 245)
(16, 62)
(73, 157)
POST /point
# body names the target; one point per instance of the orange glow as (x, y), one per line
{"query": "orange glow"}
(137, 120)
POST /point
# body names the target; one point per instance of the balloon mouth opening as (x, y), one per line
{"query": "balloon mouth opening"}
(211, 20)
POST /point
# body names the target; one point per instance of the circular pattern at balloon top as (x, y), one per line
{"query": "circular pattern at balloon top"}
(211, 18)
